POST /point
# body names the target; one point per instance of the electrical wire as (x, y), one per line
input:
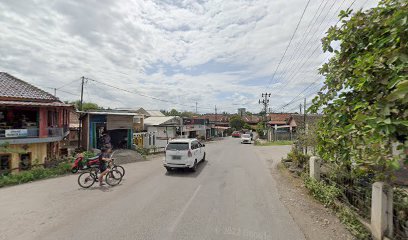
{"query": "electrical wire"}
(287, 47)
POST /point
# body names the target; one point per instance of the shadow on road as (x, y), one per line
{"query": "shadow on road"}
(187, 172)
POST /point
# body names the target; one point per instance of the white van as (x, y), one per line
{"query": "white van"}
(184, 153)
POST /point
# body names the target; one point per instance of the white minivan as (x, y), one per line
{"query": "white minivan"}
(184, 153)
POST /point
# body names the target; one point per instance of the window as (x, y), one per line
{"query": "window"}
(194, 145)
(25, 161)
(178, 146)
(4, 162)
(136, 120)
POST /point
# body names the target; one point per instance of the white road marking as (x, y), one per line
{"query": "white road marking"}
(176, 222)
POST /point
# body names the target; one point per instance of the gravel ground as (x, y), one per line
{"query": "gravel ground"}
(315, 221)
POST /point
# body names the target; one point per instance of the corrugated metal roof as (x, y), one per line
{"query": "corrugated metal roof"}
(34, 104)
(155, 113)
(110, 113)
(12, 87)
(154, 121)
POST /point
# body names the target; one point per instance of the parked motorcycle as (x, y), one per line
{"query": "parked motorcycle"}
(80, 165)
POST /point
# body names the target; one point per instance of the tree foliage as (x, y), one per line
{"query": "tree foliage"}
(236, 122)
(86, 106)
(174, 112)
(364, 99)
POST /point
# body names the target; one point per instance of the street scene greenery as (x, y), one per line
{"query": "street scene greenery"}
(364, 99)
(36, 173)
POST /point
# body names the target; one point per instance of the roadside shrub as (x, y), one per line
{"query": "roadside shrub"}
(143, 151)
(36, 173)
(326, 194)
(298, 158)
(349, 219)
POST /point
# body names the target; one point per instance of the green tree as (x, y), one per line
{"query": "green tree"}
(236, 122)
(173, 112)
(365, 94)
(86, 106)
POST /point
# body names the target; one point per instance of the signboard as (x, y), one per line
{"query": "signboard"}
(196, 121)
(16, 133)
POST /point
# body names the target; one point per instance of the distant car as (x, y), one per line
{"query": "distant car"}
(184, 153)
(236, 134)
(251, 134)
(246, 138)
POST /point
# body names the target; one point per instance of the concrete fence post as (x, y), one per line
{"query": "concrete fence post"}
(314, 168)
(381, 210)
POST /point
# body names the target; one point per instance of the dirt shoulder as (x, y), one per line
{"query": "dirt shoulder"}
(315, 221)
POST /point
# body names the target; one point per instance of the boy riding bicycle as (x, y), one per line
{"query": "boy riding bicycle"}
(104, 159)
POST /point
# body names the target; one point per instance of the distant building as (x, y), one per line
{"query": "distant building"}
(33, 124)
(241, 112)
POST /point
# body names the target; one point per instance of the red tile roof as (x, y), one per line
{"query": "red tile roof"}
(14, 88)
(216, 118)
(34, 104)
(281, 117)
(251, 119)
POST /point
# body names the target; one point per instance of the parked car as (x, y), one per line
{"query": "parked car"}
(236, 134)
(246, 138)
(184, 153)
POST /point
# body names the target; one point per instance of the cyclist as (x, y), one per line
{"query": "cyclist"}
(104, 158)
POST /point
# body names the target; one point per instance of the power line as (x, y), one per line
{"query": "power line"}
(290, 41)
(67, 84)
(143, 95)
(306, 49)
(311, 55)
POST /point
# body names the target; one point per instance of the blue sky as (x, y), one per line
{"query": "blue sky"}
(215, 52)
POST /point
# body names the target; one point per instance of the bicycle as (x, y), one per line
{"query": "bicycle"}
(114, 167)
(89, 177)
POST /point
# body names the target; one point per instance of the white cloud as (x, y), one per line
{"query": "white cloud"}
(162, 49)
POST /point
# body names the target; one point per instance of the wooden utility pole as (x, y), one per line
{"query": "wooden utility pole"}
(80, 109)
(304, 122)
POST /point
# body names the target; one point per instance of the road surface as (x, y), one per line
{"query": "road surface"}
(231, 196)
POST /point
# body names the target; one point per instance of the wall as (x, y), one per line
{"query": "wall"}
(38, 153)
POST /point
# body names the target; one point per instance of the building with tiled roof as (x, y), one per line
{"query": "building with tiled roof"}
(32, 121)
(12, 88)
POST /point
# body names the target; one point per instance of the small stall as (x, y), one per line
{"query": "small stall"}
(118, 126)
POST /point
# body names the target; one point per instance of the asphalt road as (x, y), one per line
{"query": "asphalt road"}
(232, 196)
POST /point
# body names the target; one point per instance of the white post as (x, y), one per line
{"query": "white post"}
(381, 210)
(314, 166)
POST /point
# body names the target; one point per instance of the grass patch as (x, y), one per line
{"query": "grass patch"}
(35, 173)
(275, 143)
(327, 195)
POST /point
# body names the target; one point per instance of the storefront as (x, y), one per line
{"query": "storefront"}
(117, 126)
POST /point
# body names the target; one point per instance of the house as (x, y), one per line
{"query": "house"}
(252, 120)
(32, 125)
(196, 128)
(117, 124)
(164, 128)
(73, 139)
(150, 113)
(278, 119)
(219, 122)
(296, 121)
(138, 119)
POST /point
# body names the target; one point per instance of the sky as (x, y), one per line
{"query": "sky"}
(164, 54)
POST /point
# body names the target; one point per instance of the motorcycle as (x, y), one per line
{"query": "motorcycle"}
(79, 163)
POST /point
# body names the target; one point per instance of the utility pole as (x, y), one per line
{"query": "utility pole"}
(300, 108)
(215, 109)
(82, 93)
(55, 92)
(304, 122)
(265, 102)
(196, 108)
(80, 109)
